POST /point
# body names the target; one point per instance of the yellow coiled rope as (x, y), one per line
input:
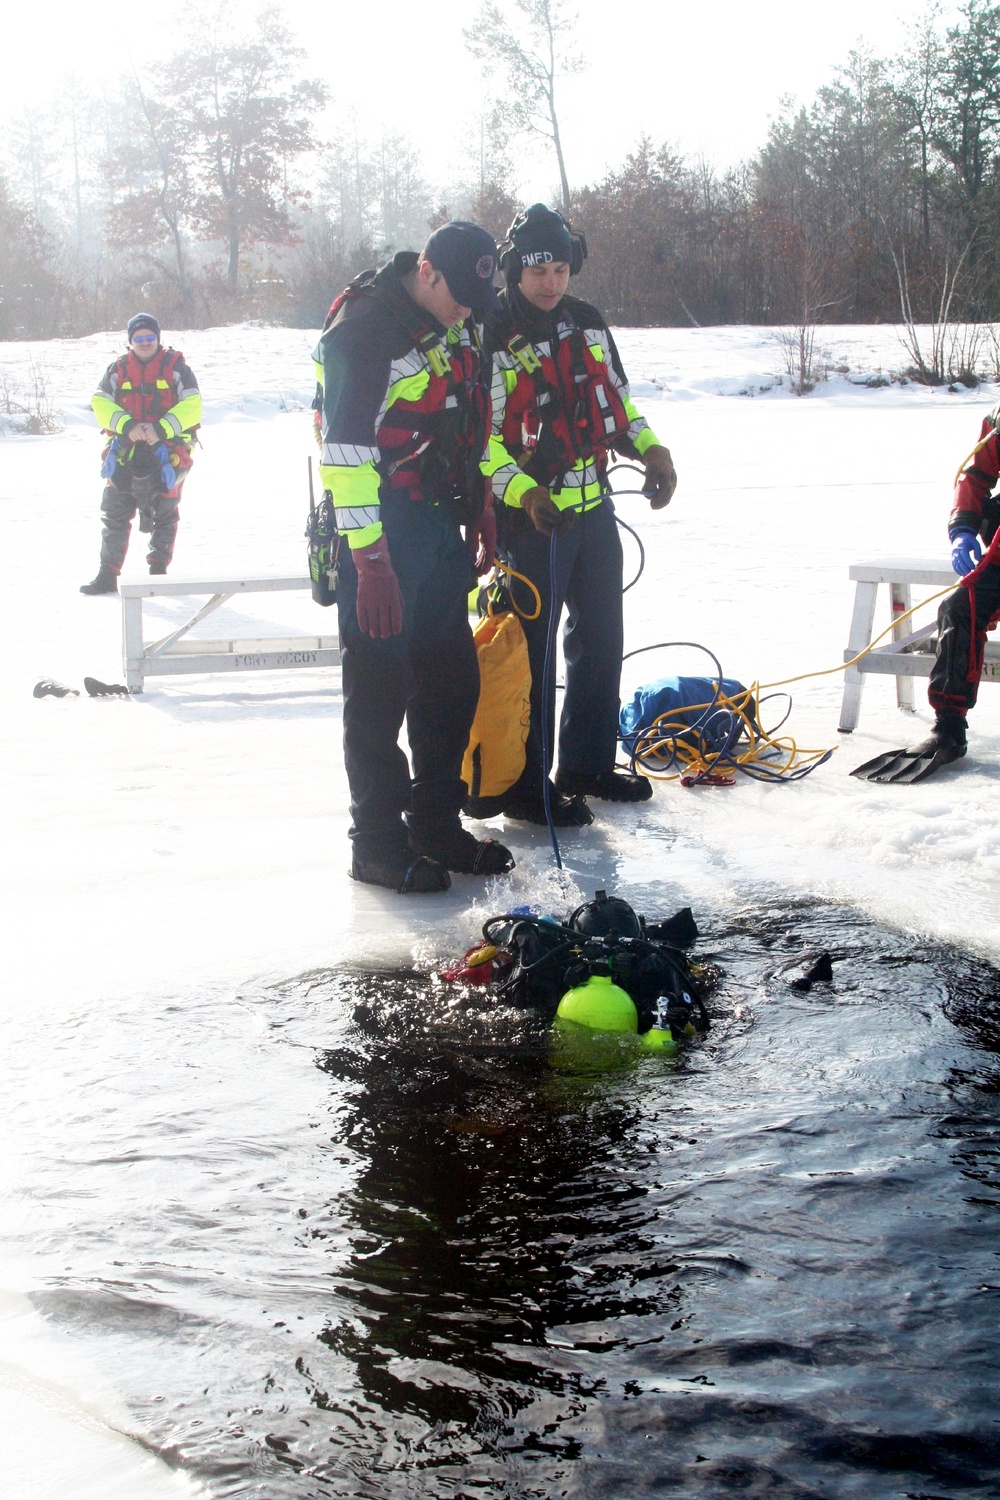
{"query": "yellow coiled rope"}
(731, 739)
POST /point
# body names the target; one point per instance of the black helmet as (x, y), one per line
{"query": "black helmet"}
(605, 916)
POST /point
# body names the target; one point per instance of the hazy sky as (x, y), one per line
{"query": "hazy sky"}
(704, 77)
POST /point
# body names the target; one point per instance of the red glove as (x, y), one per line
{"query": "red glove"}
(380, 604)
(481, 541)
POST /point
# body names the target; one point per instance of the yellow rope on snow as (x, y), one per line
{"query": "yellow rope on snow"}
(669, 739)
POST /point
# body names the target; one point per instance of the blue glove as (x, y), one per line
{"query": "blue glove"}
(168, 474)
(965, 551)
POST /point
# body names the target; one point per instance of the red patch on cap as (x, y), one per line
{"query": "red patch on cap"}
(484, 267)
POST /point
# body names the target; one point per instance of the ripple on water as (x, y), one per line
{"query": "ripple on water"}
(391, 1251)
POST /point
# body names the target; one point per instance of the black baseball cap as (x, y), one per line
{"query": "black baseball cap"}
(466, 256)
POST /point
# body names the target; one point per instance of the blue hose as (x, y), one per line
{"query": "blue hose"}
(550, 636)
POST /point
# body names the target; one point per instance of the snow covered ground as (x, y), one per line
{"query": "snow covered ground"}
(200, 829)
(195, 837)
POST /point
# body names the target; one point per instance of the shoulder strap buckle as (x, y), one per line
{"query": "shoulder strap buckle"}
(522, 351)
(434, 352)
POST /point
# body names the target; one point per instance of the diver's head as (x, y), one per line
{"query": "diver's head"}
(605, 916)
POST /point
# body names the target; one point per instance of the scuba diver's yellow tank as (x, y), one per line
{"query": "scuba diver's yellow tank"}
(599, 1005)
(657, 1039)
(674, 1023)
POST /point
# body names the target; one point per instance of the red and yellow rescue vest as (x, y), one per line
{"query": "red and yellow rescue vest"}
(147, 393)
(569, 395)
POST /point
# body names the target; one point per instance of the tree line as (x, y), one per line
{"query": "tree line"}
(209, 195)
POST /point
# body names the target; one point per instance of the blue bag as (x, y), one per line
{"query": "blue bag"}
(668, 694)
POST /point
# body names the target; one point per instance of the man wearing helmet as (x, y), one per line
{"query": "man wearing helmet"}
(561, 403)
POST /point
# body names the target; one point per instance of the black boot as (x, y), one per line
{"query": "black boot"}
(529, 807)
(106, 582)
(948, 739)
(407, 873)
(157, 568)
(457, 849)
(609, 786)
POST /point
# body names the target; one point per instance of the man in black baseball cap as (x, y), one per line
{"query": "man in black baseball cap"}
(404, 405)
(466, 256)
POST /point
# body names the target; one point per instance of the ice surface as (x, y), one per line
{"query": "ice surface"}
(196, 836)
(199, 832)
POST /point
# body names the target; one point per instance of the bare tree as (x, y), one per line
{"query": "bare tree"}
(249, 119)
(404, 201)
(493, 203)
(946, 340)
(531, 66)
(918, 90)
(26, 286)
(154, 194)
(32, 137)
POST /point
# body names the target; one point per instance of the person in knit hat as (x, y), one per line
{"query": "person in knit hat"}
(561, 407)
(149, 407)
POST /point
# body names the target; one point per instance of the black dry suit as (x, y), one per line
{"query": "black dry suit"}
(405, 422)
(553, 425)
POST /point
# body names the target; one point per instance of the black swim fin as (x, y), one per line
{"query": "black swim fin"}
(98, 689)
(908, 766)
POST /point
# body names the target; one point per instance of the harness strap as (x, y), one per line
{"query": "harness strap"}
(577, 421)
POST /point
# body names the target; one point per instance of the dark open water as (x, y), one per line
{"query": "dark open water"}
(358, 1237)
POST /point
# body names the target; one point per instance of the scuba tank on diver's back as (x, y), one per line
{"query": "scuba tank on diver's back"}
(598, 1004)
(604, 970)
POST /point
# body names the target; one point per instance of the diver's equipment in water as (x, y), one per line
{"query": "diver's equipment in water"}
(598, 1004)
(605, 969)
(605, 916)
(679, 1019)
(474, 967)
(324, 546)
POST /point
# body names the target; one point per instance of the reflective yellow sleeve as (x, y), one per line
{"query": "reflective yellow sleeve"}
(645, 437)
(110, 416)
(182, 417)
(508, 481)
(354, 489)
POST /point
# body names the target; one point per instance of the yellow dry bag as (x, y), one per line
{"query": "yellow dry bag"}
(495, 757)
